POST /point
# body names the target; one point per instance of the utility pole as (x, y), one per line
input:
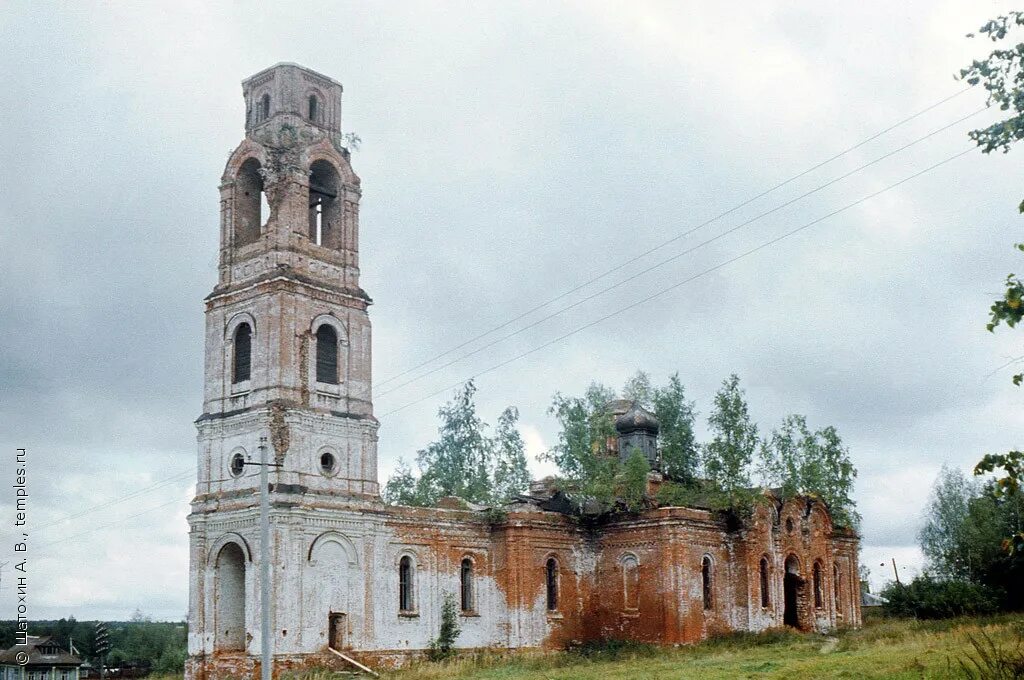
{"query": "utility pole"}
(265, 655)
(895, 571)
(264, 563)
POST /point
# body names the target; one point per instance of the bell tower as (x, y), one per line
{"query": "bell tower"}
(287, 368)
(287, 330)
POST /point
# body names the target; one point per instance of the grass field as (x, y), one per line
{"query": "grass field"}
(883, 648)
(894, 649)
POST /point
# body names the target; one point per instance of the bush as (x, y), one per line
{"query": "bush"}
(443, 646)
(928, 598)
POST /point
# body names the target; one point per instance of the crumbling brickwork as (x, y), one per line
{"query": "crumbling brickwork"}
(352, 574)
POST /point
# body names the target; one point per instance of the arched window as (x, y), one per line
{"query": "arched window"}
(766, 599)
(406, 603)
(706, 581)
(325, 207)
(551, 579)
(835, 587)
(819, 596)
(248, 202)
(242, 353)
(327, 354)
(264, 107)
(631, 582)
(312, 107)
(466, 581)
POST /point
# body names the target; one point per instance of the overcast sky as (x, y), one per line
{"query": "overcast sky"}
(510, 152)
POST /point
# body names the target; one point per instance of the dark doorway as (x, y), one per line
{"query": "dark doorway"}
(792, 583)
(337, 631)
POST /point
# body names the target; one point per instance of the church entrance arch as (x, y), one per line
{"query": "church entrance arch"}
(793, 586)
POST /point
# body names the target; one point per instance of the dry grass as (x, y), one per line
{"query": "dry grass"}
(882, 649)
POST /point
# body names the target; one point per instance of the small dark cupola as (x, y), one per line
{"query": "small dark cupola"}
(638, 429)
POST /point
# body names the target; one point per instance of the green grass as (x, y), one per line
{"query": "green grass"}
(883, 648)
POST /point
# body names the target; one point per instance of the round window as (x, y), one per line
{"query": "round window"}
(237, 465)
(327, 462)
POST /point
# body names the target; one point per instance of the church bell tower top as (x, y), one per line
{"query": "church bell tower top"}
(292, 91)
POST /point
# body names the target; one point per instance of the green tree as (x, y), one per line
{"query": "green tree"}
(785, 455)
(457, 463)
(729, 454)
(963, 537)
(1002, 76)
(585, 426)
(464, 461)
(639, 389)
(834, 477)
(800, 461)
(403, 487)
(511, 476)
(942, 536)
(676, 440)
(632, 487)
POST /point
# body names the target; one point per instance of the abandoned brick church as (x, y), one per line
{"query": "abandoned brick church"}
(288, 366)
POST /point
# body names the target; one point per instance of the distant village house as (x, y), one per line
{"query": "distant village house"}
(47, 660)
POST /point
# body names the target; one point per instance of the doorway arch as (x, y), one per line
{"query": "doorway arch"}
(792, 586)
(230, 598)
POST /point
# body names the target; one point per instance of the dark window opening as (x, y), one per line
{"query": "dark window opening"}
(312, 108)
(250, 203)
(327, 355)
(792, 592)
(551, 573)
(707, 586)
(765, 597)
(242, 353)
(818, 594)
(264, 107)
(327, 462)
(237, 465)
(405, 601)
(466, 576)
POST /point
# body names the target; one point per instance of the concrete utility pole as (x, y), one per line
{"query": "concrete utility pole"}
(264, 563)
(265, 654)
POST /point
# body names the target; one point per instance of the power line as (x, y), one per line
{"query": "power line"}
(104, 526)
(618, 267)
(180, 476)
(663, 262)
(630, 261)
(709, 270)
(167, 480)
(131, 517)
